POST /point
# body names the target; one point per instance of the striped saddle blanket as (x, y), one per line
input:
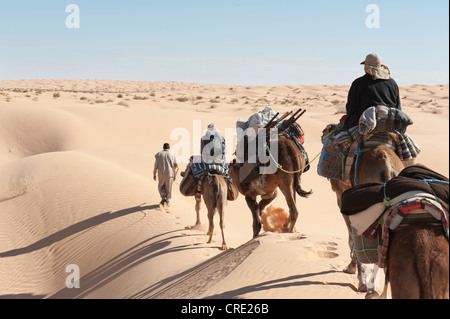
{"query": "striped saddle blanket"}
(199, 169)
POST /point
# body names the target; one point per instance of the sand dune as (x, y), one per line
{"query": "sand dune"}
(76, 188)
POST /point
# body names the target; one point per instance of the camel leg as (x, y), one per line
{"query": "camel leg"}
(337, 187)
(254, 208)
(197, 210)
(354, 265)
(372, 283)
(384, 294)
(211, 224)
(266, 200)
(293, 212)
(351, 268)
(222, 226)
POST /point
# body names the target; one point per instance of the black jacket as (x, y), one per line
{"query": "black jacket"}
(366, 92)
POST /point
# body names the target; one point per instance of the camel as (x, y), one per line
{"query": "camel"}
(214, 192)
(291, 159)
(380, 164)
(418, 262)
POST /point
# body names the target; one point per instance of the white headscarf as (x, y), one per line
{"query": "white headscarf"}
(373, 66)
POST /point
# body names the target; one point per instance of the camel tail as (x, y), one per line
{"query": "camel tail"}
(297, 184)
(302, 192)
(298, 187)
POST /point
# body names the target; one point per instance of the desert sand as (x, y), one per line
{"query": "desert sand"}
(76, 188)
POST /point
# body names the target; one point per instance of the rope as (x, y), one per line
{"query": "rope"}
(342, 156)
(227, 176)
(324, 137)
(386, 199)
(291, 172)
(358, 153)
(433, 180)
(427, 181)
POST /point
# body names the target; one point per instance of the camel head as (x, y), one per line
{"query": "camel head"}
(328, 130)
(234, 171)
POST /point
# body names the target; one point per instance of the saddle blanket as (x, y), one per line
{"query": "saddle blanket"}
(395, 216)
(363, 220)
(199, 169)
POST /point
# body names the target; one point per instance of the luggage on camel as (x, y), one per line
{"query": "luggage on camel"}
(416, 177)
(378, 125)
(232, 191)
(248, 139)
(332, 160)
(381, 118)
(295, 132)
(212, 146)
(417, 194)
(188, 185)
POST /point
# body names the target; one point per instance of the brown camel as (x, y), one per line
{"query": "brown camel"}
(418, 262)
(291, 159)
(376, 165)
(214, 191)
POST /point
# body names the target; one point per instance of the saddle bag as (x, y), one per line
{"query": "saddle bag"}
(297, 131)
(365, 246)
(188, 185)
(232, 192)
(332, 160)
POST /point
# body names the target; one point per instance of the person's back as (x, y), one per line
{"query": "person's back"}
(166, 167)
(375, 88)
(165, 162)
(212, 146)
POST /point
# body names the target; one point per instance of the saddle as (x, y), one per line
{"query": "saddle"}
(249, 168)
(196, 172)
(418, 194)
(341, 151)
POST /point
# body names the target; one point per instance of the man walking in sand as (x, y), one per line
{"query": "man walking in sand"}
(167, 168)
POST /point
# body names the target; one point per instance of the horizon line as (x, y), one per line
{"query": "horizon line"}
(202, 83)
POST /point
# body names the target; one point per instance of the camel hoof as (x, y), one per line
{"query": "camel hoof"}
(350, 270)
(194, 227)
(224, 247)
(362, 288)
(372, 294)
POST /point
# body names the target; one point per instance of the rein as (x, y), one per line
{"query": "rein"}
(280, 167)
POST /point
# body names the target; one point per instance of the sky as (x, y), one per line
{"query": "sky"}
(241, 42)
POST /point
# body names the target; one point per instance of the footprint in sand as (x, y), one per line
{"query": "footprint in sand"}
(328, 252)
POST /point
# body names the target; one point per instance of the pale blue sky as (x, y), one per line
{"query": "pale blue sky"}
(249, 42)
